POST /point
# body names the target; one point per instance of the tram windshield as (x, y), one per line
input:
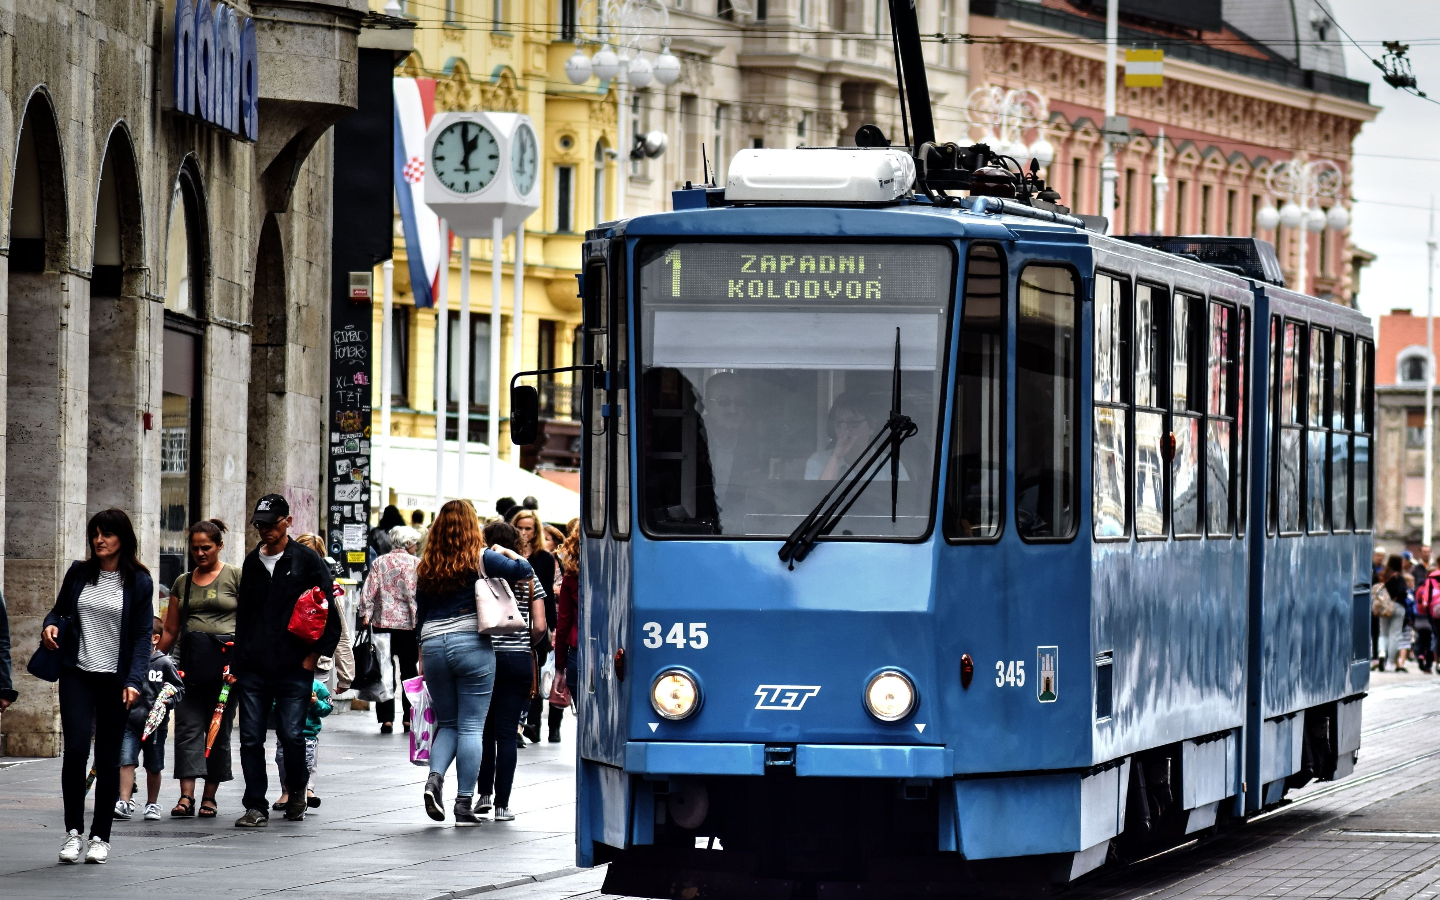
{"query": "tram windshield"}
(767, 367)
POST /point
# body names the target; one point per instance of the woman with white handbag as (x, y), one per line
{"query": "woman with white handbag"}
(456, 610)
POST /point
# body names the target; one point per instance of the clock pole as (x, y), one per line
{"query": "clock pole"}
(462, 390)
(493, 431)
(517, 327)
(442, 340)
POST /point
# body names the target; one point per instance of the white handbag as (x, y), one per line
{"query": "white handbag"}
(495, 605)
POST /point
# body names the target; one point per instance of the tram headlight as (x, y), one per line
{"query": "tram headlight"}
(675, 695)
(890, 696)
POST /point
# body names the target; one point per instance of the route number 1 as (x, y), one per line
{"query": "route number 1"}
(698, 639)
(1010, 674)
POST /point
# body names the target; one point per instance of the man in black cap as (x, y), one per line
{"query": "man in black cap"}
(274, 668)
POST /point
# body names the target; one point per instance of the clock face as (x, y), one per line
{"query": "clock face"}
(466, 157)
(526, 161)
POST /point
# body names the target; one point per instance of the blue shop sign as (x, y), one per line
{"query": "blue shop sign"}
(217, 77)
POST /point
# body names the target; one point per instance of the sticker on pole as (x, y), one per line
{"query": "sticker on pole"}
(1048, 664)
(1144, 68)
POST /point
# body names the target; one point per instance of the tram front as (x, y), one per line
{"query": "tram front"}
(759, 690)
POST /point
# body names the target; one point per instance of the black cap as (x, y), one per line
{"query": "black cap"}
(270, 509)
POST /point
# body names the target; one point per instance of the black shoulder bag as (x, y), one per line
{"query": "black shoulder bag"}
(202, 655)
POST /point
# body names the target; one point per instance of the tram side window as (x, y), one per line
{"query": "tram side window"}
(620, 405)
(1242, 411)
(1342, 403)
(1150, 332)
(1317, 439)
(1187, 381)
(1221, 432)
(977, 453)
(1364, 428)
(1291, 422)
(597, 438)
(1046, 365)
(1111, 397)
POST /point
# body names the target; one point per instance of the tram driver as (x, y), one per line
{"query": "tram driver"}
(852, 422)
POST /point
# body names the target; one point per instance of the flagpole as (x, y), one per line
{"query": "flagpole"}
(442, 340)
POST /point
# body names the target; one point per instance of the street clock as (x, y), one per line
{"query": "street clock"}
(479, 167)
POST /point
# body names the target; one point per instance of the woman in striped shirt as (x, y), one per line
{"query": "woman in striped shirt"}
(514, 685)
(101, 624)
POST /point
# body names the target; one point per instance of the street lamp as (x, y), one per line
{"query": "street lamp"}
(1005, 115)
(1302, 184)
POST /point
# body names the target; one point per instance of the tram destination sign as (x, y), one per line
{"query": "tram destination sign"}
(807, 273)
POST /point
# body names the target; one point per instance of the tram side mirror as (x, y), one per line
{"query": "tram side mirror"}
(524, 414)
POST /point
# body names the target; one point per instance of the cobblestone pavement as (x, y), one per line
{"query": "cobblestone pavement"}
(1374, 835)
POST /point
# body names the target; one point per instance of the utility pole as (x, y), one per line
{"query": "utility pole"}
(1162, 185)
(1107, 167)
(1430, 381)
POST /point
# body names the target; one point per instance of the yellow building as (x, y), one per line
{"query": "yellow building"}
(516, 65)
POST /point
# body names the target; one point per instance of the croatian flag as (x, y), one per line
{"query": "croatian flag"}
(414, 108)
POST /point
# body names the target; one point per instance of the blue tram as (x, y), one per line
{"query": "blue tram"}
(1105, 585)
(936, 540)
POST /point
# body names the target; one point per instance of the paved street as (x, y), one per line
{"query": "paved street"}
(1375, 835)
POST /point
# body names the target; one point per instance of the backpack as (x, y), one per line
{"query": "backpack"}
(1425, 595)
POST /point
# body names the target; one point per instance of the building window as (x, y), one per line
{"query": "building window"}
(802, 129)
(564, 198)
(1411, 365)
(717, 162)
(1414, 493)
(1415, 428)
(1180, 192)
(758, 143)
(804, 12)
(599, 199)
(567, 20)
(1230, 212)
(400, 356)
(1323, 270)
(1205, 192)
(724, 10)
(690, 136)
(1077, 174)
(1129, 201)
(1254, 215)
(479, 360)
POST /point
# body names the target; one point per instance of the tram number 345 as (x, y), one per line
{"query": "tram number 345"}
(1010, 674)
(697, 639)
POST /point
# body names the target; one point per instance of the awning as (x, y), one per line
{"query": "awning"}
(409, 471)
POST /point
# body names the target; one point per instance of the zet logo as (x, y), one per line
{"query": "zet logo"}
(785, 696)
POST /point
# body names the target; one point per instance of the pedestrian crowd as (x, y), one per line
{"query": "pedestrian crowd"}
(263, 644)
(1404, 609)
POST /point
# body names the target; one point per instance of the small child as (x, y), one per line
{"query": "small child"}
(162, 672)
(320, 707)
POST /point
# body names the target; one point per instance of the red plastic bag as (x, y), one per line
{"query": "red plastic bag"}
(307, 621)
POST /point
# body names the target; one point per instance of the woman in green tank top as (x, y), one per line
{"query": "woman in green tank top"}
(200, 619)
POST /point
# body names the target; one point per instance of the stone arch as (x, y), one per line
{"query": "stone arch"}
(39, 212)
(187, 242)
(119, 335)
(269, 346)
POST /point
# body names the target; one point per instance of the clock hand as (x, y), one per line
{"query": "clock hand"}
(468, 144)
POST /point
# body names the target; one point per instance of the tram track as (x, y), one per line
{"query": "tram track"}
(1341, 786)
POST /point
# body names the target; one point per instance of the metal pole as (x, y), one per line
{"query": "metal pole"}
(382, 440)
(462, 390)
(517, 324)
(1302, 281)
(497, 240)
(620, 122)
(1162, 185)
(1107, 167)
(1430, 380)
(442, 335)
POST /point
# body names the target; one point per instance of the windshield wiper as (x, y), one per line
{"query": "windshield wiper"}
(838, 500)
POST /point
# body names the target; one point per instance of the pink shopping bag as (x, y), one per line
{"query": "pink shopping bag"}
(422, 720)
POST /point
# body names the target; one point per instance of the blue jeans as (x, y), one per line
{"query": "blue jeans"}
(289, 696)
(513, 678)
(154, 747)
(460, 674)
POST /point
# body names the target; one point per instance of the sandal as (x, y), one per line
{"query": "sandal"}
(209, 812)
(185, 808)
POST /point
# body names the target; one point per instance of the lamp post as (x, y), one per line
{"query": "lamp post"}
(1005, 114)
(1302, 183)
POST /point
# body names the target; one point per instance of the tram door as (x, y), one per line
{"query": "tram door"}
(605, 575)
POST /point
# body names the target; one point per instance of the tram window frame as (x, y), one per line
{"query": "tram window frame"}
(1340, 398)
(1076, 340)
(1118, 327)
(1158, 393)
(1364, 430)
(1289, 419)
(1272, 426)
(618, 382)
(1193, 401)
(1225, 395)
(596, 470)
(1242, 423)
(1317, 432)
(951, 515)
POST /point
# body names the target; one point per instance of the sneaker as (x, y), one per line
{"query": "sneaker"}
(70, 850)
(503, 814)
(253, 818)
(152, 812)
(99, 851)
(434, 796)
(124, 809)
(484, 805)
(295, 810)
(464, 814)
